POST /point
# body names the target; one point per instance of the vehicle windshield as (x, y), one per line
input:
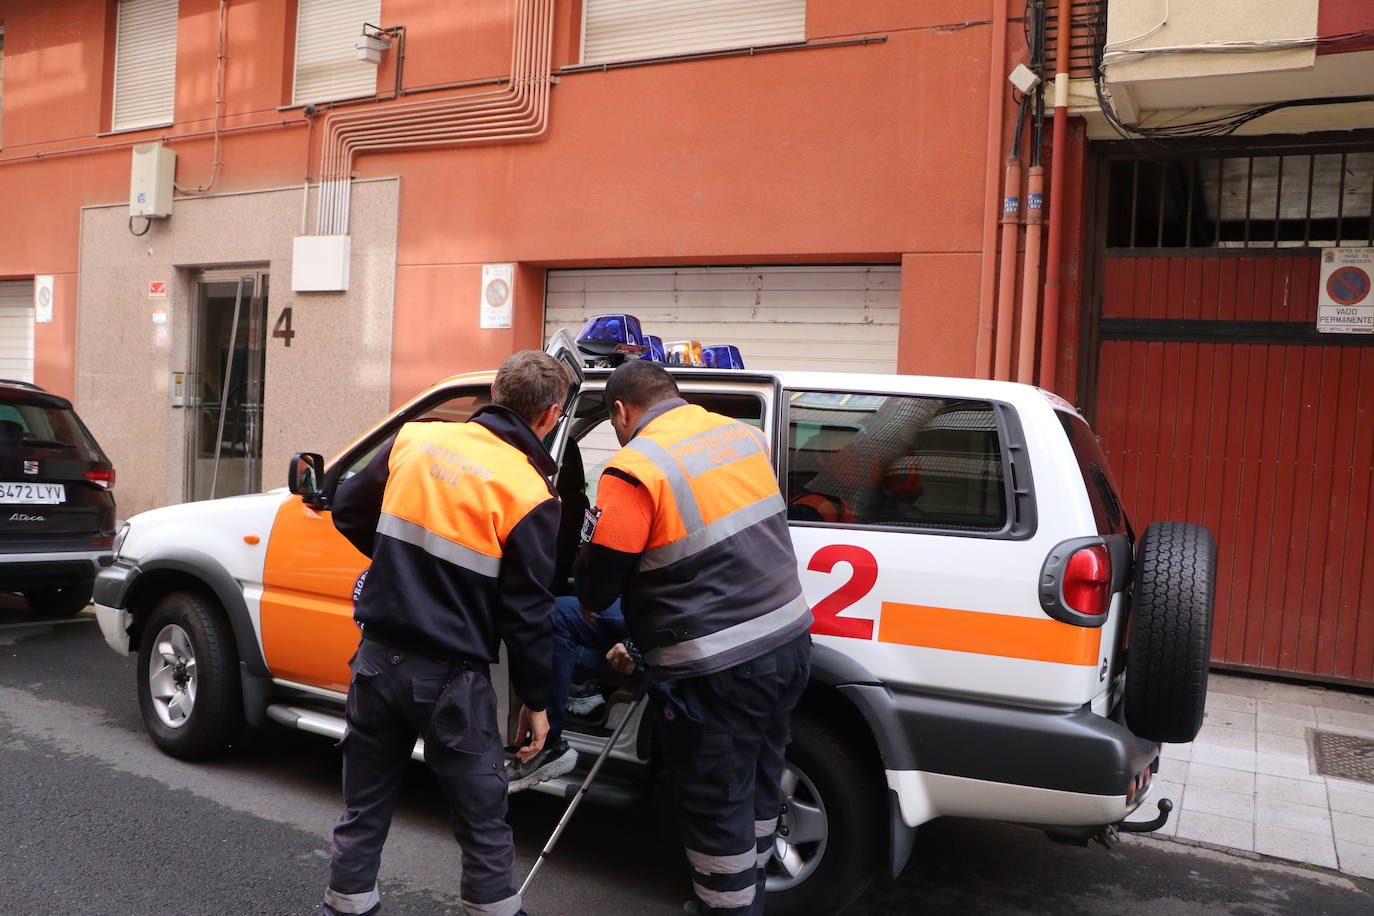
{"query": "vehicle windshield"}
(29, 423)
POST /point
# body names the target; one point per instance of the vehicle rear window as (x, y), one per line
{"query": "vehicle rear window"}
(895, 460)
(29, 424)
(1097, 475)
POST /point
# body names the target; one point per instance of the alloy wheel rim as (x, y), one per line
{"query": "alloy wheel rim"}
(803, 830)
(172, 676)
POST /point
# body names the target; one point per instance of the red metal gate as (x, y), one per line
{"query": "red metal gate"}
(1218, 403)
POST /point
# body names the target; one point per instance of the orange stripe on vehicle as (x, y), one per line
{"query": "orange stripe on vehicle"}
(988, 634)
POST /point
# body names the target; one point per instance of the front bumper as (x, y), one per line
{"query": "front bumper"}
(111, 588)
(949, 756)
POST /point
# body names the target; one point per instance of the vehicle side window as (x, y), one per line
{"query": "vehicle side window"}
(598, 443)
(452, 410)
(895, 460)
(1097, 476)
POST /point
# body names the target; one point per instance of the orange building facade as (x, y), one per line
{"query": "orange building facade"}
(864, 143)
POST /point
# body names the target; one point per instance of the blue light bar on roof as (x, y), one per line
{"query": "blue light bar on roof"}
(612, 329)
(722, 357)
(655, 353)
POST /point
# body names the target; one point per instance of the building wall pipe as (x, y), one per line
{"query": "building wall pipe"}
(1030, 275)
(1006, 286)
(988, 329)
(517, 111)
(1049, 331)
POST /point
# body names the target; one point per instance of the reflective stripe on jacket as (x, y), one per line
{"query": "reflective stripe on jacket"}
(460, 521)
(717, 582)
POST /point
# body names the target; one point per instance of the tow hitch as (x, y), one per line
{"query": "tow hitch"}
(1110, 835)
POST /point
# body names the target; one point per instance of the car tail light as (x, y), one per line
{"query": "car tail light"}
(1088, 580)
(103, 477)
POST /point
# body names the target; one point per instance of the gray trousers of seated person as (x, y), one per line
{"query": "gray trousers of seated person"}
(393, 697)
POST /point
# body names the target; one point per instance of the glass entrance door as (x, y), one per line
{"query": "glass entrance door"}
(228, 360)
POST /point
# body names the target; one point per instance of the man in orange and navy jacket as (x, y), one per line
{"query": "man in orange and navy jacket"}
(693, 536)
(460, 521)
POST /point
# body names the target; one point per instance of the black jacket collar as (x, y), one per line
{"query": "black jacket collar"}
(511, 428)
(656, 411)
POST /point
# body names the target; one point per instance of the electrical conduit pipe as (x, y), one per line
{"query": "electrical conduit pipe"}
(518, 111)
(1049, 329)
(992, 328)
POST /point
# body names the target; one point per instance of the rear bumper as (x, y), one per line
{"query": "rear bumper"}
(946, 756)
(49, 569)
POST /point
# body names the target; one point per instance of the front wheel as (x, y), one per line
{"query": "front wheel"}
(188, 690)
(830, 828)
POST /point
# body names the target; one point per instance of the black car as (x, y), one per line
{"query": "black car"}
(57, 511)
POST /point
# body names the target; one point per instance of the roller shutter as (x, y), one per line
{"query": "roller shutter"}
(16, 330)
(835, 318)
(145, 63)
(326, 67)
(637, 29)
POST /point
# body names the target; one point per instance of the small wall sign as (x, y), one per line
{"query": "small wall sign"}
(1345, 304)
(498, 293)
(42, 299)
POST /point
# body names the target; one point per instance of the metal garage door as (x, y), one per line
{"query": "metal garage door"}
(838, 318)
(1218, 403)
(16, 330)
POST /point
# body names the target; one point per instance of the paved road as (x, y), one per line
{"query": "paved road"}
(94, 820)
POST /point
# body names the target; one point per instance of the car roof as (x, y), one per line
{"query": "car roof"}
(26, 386)
(877, 383)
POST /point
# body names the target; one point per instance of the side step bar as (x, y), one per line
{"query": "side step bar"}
(322, 723)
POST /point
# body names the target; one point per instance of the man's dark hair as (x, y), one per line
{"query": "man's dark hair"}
(640, 383)
(529, 383)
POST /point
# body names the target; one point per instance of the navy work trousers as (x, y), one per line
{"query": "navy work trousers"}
(725, 735)
(393, 697)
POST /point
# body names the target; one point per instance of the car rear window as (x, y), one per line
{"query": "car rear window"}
(32, 424)
(895, 461)
(1097, 475)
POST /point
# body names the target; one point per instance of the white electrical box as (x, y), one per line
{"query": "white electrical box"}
(319, 263)
(150, 185)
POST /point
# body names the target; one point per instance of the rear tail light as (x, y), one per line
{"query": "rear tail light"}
(1088, 580)
(104, 477)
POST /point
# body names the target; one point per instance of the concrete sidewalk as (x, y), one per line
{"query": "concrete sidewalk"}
(1250, 781)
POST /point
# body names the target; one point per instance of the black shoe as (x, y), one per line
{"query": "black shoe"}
(553, 761)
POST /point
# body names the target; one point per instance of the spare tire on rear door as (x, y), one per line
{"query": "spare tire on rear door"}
(1171, 632)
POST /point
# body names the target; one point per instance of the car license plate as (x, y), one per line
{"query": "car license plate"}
(29, 494)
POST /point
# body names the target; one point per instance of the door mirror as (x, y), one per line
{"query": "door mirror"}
(306, 477)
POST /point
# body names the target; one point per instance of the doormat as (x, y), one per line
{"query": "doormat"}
(1344, 756)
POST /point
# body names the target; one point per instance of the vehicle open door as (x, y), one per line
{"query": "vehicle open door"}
(563, 348)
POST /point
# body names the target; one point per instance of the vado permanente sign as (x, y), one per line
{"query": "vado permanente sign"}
(1345, 304)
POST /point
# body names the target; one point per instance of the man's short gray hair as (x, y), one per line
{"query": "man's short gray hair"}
(530, 382)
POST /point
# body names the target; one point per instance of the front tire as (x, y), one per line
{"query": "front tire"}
(835, 826)
(188, 690)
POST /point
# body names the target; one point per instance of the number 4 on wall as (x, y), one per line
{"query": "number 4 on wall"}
(860, 583)
(282, 328)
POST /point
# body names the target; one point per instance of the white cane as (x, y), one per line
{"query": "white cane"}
(586, 784)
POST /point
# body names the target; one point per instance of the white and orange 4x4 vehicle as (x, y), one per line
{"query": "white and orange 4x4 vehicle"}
(990, 641)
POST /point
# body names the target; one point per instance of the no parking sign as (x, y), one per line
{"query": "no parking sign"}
(1345, 304)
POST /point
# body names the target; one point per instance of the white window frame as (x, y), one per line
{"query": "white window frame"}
(351, 78)
(761, 23)
(160, 98)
